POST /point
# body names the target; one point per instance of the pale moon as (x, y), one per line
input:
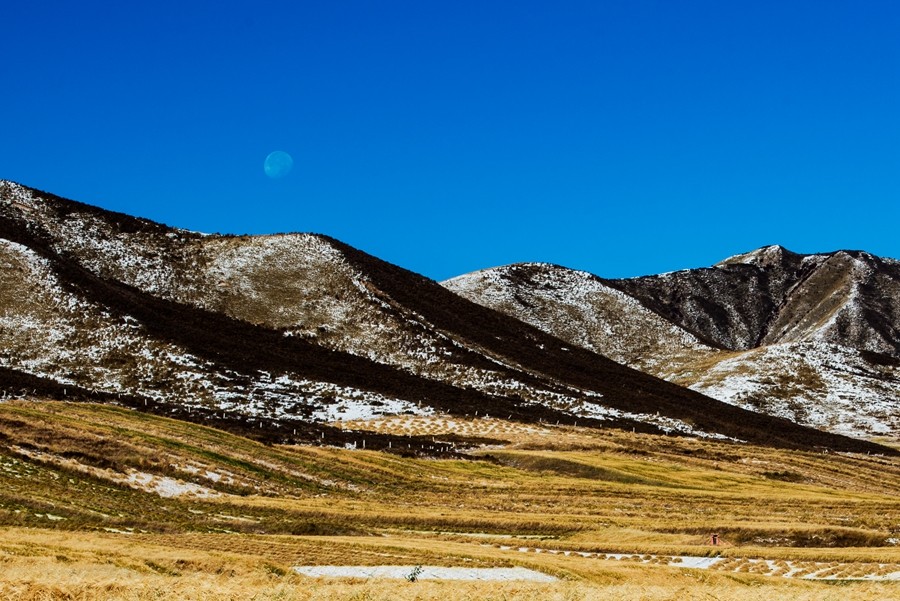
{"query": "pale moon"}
(278, 164)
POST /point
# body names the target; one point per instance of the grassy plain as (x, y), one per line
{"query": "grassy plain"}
(100, 502)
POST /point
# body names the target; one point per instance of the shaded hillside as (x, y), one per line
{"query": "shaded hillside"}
(302, 327)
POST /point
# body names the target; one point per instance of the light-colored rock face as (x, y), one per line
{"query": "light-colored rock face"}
(813, 338)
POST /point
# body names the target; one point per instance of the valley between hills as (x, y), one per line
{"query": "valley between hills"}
(192, 416)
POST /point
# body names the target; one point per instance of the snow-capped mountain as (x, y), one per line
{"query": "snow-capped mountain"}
(813, 338)
(296, 331)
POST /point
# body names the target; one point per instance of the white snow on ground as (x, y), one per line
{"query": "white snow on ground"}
(331, 302)
(205, 473)
(808, 570)
(365, 409)
(424, 573)
(664, 423)
(116, 255)
(700, 563)
(55, 334)
(131, 257)
(163, 486)
(167, 487)
(826, 386)
(283, 395)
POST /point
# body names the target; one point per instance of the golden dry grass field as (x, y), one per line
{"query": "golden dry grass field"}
(100, 502)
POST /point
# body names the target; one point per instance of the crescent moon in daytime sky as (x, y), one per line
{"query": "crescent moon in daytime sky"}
(278, 164)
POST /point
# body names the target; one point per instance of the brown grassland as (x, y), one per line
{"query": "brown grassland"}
(81, 516)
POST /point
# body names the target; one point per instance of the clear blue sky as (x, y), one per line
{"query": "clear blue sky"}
(622, 137)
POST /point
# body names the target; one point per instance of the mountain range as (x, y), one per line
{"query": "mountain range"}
(812, 338)
(285, 337)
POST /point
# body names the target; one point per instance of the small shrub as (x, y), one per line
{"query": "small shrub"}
(413, 576)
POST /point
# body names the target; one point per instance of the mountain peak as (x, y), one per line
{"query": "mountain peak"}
(16, 195)
(767, 256)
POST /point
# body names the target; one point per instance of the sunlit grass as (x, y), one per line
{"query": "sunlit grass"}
(51, 565)
(550, 488)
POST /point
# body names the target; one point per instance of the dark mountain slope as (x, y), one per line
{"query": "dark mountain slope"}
(772, 295)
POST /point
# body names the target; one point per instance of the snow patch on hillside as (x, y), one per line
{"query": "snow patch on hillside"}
(579, 308)
(167, 487)
(664, 423)
(826, 386)
(164, 486)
